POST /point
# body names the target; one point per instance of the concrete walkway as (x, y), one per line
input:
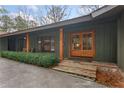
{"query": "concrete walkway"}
(15, 74)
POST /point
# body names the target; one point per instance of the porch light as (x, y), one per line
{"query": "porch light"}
(24, 37)
(77, 45)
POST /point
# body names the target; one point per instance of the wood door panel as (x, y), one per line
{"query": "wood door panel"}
(82, 53)
(75, 53)
(86, 49)
(87, 53)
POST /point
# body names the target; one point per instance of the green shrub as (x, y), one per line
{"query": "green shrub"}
(0, 53)
(40, 59)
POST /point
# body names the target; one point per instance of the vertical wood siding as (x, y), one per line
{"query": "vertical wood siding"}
(105, 39)
(3, 43)
(121, 41)
(51, 32)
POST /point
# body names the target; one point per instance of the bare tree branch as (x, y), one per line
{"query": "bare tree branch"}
(56, 13)
(86, 9)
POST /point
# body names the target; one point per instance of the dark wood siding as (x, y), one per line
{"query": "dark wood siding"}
(105, 39)
(3, 43)
(51, 32)
(121, 41)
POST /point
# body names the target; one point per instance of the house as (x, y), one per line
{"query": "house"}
(1, 32)
(98, 36)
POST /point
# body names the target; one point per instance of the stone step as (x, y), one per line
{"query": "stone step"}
(78, 62)
(78, 65)
(78, 71)
(93, 63)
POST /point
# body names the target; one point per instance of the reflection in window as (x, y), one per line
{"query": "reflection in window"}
(89, 46)
(84, 42)
(52, 44)
(46, 43)
(87, 41)
(75, 42)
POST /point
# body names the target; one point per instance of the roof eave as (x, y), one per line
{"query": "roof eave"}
(102, 10)
(54, 25)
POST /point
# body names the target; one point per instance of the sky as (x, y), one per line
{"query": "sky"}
(13, 9)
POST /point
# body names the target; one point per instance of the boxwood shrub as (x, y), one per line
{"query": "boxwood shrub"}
(40, 59)
(0, 53)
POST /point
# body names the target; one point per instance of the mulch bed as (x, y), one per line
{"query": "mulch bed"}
(110, 76)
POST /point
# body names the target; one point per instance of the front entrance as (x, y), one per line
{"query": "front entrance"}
(82, 44)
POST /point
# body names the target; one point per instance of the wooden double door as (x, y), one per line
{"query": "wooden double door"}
(82, 44)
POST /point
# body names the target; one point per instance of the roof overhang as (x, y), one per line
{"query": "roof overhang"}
(103, 12)
(54, 25)
(108, 11)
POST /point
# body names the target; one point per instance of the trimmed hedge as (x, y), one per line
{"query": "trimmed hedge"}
(40, 59)
(0, 53)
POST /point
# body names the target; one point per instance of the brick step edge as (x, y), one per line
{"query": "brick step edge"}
(78, 65)
(94, 63)
(93, 70)
(77, 71)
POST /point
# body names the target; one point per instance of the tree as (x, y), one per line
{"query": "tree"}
(5, 20)
(6, 23)
(24, 13)
(54, 13)
(57, 13)
(3, 10)
(32, 24)
(20, 23)
(86, 9)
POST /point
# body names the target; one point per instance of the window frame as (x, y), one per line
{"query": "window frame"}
(42, 39)
(82, 52)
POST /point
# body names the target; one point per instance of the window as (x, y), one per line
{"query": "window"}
(87, 41)
(76, 42)
(82, 44)
(46, 43)
(52, 44)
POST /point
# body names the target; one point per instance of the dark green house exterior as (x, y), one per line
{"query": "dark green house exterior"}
(97, 37)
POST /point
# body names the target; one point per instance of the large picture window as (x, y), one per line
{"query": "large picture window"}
(46, 44)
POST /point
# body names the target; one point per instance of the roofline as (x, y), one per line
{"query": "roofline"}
(85, 18)
(53, 25)
(103, 10)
